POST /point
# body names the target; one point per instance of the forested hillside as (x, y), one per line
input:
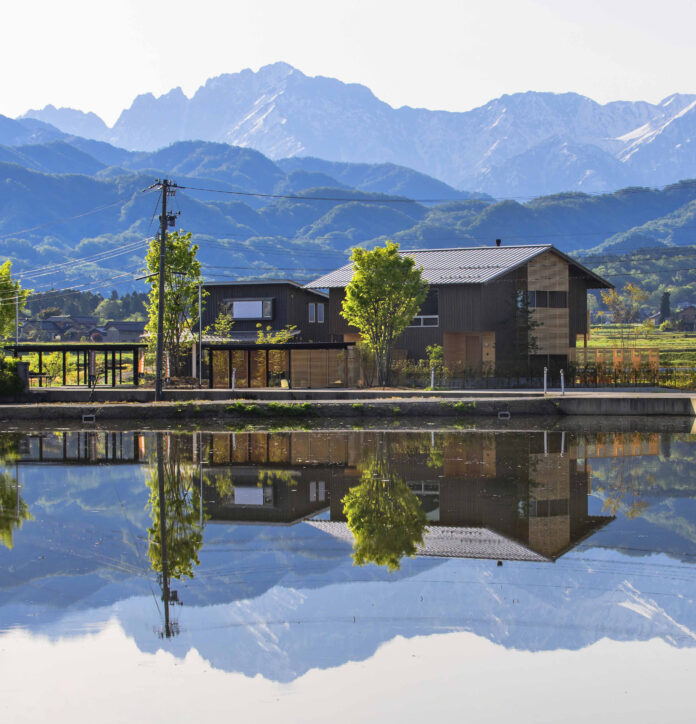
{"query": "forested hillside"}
(75, 212)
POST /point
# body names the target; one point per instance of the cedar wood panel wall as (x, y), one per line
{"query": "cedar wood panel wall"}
(289, 307)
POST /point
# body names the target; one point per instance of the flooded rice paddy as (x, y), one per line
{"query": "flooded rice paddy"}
(349, 575)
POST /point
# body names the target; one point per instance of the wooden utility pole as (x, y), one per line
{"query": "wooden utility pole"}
(168, 189)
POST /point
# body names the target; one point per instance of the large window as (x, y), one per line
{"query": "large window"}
(249, 309)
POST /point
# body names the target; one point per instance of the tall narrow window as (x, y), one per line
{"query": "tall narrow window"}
(312, 312)
(320, 313)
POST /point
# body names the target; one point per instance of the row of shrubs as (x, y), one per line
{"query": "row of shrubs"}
(11, 384)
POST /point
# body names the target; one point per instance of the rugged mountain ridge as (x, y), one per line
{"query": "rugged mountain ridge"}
(497, 148)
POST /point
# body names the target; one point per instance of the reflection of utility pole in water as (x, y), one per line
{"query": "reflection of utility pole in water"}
(169, 630)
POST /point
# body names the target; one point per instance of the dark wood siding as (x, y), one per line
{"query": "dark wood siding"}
(577, 308)
(290, 306)
(462, 308)
(499, 312)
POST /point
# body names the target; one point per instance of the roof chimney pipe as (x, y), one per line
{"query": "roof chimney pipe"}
(498, 242)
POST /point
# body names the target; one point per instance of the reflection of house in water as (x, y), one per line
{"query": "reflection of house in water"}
(515, 495)
(503, 495)
(272, 478)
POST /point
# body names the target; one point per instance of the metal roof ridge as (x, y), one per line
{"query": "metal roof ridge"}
(473, 248)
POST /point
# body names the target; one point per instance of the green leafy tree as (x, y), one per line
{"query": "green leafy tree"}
(275, 336)
(624, 306)
(50, 312)
(109, 309)
(181, 279)
(383, 296)
(9, 291)
(385, 517)
(221, 327)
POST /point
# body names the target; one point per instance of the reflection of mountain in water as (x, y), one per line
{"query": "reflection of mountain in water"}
(280, 599)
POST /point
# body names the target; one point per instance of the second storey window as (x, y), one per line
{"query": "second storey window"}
(249, 309)
(554, 300)
(316, 312)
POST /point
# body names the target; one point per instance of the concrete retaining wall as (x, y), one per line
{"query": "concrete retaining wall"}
(254, 411)
(665, 404)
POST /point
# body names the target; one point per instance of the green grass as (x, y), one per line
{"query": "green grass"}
(272, 409)
(460, 406)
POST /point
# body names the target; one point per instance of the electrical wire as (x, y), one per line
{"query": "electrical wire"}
(50, 269)
(441, 200)
(103, 207)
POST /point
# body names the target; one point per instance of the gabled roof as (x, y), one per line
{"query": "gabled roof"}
(465, 265)
(126, 326)
(453, 542)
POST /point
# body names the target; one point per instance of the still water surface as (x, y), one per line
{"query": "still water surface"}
(347, 575)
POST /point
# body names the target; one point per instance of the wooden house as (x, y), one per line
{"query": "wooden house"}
(487, 306)
(274, 303)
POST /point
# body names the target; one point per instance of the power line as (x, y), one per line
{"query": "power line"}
(49, 269)
(323, 198)
(74, 288)
(103, 207)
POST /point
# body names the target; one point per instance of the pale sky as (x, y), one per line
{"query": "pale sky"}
(439, 54)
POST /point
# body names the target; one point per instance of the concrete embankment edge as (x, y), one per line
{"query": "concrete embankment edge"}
(630, 405)
(587, 406)
(173, 411)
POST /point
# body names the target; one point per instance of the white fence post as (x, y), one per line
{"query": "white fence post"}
(545, 379)
(562, 383)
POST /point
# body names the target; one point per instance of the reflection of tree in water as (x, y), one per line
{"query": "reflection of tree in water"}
(181, 510)
(13, 510)
(625, 482)
(384, 515)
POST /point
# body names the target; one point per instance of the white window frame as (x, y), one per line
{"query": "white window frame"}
(312, 313)
(320, 312)
(417, 321)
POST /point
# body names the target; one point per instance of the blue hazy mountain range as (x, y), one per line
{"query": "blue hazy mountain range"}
(279, 601)
(520, 144)
(71, 197)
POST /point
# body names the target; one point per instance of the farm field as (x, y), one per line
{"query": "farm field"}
(677, 349)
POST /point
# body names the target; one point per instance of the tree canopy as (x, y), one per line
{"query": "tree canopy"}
(383, 296)
(181, 280)
(10, 290)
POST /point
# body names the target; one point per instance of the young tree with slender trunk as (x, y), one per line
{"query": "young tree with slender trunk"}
(182, 277)
(383, 296)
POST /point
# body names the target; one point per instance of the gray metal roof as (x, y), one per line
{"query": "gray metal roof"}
(260, 282)
(466, 265)
(452, 542)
